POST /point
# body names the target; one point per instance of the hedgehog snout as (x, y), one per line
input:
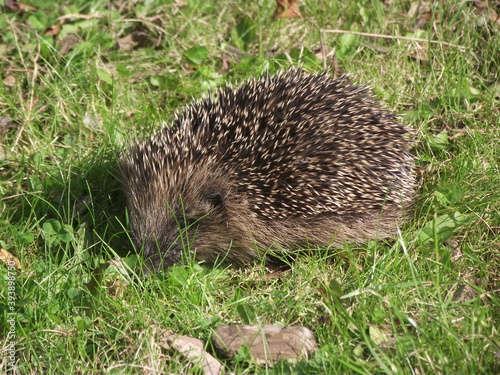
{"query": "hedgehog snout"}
(163, 250)
(156, 259)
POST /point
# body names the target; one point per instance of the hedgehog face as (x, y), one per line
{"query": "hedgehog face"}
(182, 222)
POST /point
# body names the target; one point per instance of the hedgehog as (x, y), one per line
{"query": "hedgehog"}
(277, 164)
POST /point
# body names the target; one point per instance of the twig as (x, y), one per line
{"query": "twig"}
(392, 37)
(80, 16)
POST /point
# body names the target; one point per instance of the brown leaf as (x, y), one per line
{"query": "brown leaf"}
(69, 42)
(12, 5)
(420, 53)
(117, 288)
(287, 9)
(136, 39)
(7, 123)
(231, 55)
(191, 349)
(424, 14)
(53, 30)
(126, 43)
(17, 6)
(267, 344)
(482, 7)
(9, 81)
(465, 292)
(9, 259)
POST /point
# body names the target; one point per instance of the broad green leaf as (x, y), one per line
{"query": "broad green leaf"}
(247, 313)
(196, 55)
(72, 292)
(66, 233)
(38, 20)
(379, 335)
(347, 44)
(442, 227)
(26, 238)
(104, 76)
(449, 194)
(439, 141)
(83, 323)
(52, 227)
(335, 288)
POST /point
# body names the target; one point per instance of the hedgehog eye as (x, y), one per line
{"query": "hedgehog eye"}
(214, 198)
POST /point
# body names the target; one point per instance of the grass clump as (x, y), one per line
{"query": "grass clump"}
(81, 80)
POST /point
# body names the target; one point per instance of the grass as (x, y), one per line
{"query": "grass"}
(425, 302)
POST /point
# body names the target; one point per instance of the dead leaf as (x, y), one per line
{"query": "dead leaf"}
(327, 56)
(420, 53)
(267, 344)
(287, 9)
(53, 30)
(17, 6)
(117, 288)
(423, 14)
(136, 39)
(382, 336)
(231, 55)
(9, 81)
(67, 44)
(7, 123)
(191, 349)
(482, 7)
(126, 43)
(452, 242)
(9, 259)
(465, 292)
(12, 6)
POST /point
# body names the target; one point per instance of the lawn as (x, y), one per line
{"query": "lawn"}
(82, 80)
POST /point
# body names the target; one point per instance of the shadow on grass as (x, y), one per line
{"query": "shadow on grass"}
(78, 211)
